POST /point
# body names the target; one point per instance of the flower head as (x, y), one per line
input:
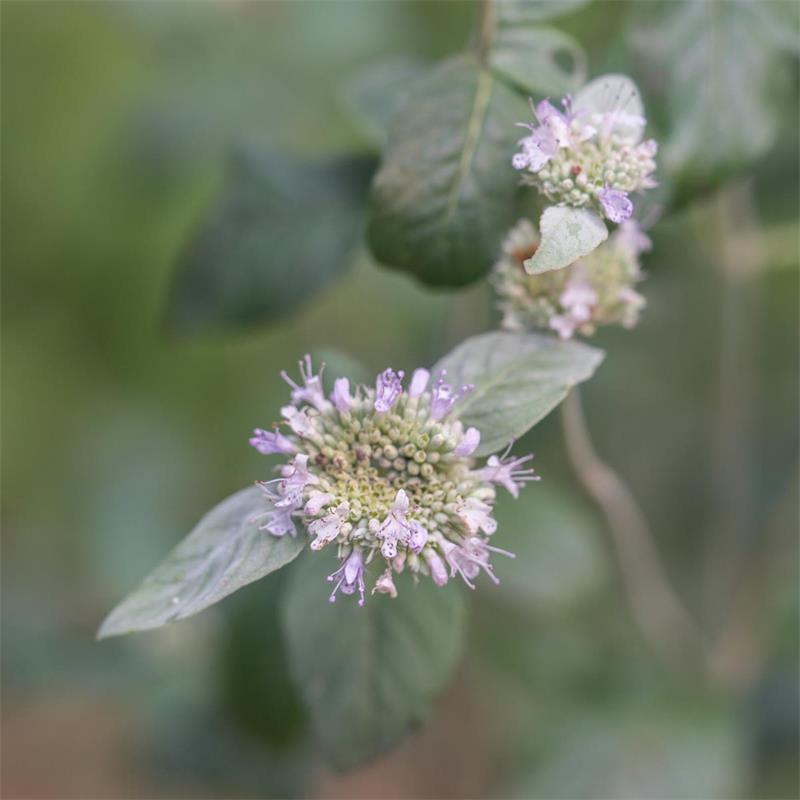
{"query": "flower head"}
(385, 475)
(587, 159)
(596, 290)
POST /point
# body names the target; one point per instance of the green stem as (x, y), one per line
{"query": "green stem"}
(659, 612)
(484, 34)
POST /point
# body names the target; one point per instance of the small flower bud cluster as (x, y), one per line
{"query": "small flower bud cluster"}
(597, 290)
(587, 160)
(385, 474)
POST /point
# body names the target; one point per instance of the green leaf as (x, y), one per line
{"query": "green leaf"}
(537, 60)
(369, 675)
(279, 231)
(253, 674)
(558, 542)
(224, 552)
(446, 191)
(566, 234)
(526, 12)
(730, 81)
(518, 378)
(374, 95)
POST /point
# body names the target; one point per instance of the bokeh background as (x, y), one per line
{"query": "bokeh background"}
(118, 121)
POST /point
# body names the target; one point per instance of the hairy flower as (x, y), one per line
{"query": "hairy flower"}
(385, 475)
(596, 290)
(585, 159)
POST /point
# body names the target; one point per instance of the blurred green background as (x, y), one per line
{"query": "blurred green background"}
(118, 120)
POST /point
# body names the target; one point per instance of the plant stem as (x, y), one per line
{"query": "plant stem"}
(483, 32)
(660, 614)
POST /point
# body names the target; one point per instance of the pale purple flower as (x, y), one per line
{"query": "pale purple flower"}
(385, 584)
(395, 527)
(267, 442)
(549, 116)
(279, 520)
(311, 391)
(341, 395)
(298, 421)
(469, 558)
(327, 528)
(295, 479)
(648, 148)
(616, 204)
(476, 516)
(555, 130)
(443, 398)
(537, 149)
(508, 472)
(316, 502)
(388, 388)
(564, 325)
(419, 381)
(418, 536)
(468, 445)
(437, 567)
(631, 235)
(579, 298)
(349, 577)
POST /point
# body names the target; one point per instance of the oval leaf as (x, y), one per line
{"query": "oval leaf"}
(374, 94)
(446, 192)
(223, 553)
(279, 231)
(369, 674)
(518, 378)
(567, 234)
(531, 59)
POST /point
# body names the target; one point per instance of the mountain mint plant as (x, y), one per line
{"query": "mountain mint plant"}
(598, 289)
(402, 476)
(385, 474)
(586, 158)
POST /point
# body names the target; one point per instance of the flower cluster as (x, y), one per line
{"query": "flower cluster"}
(596, 290)
(385, 474)
(586, 159)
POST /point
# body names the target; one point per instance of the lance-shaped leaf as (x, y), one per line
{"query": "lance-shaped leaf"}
(279, 231)
(566, 234)
(446, 192)
(537, 60)
(518, 378)
(368, 674)
(223, 553)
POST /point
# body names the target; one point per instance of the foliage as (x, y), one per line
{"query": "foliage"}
(411, 155)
